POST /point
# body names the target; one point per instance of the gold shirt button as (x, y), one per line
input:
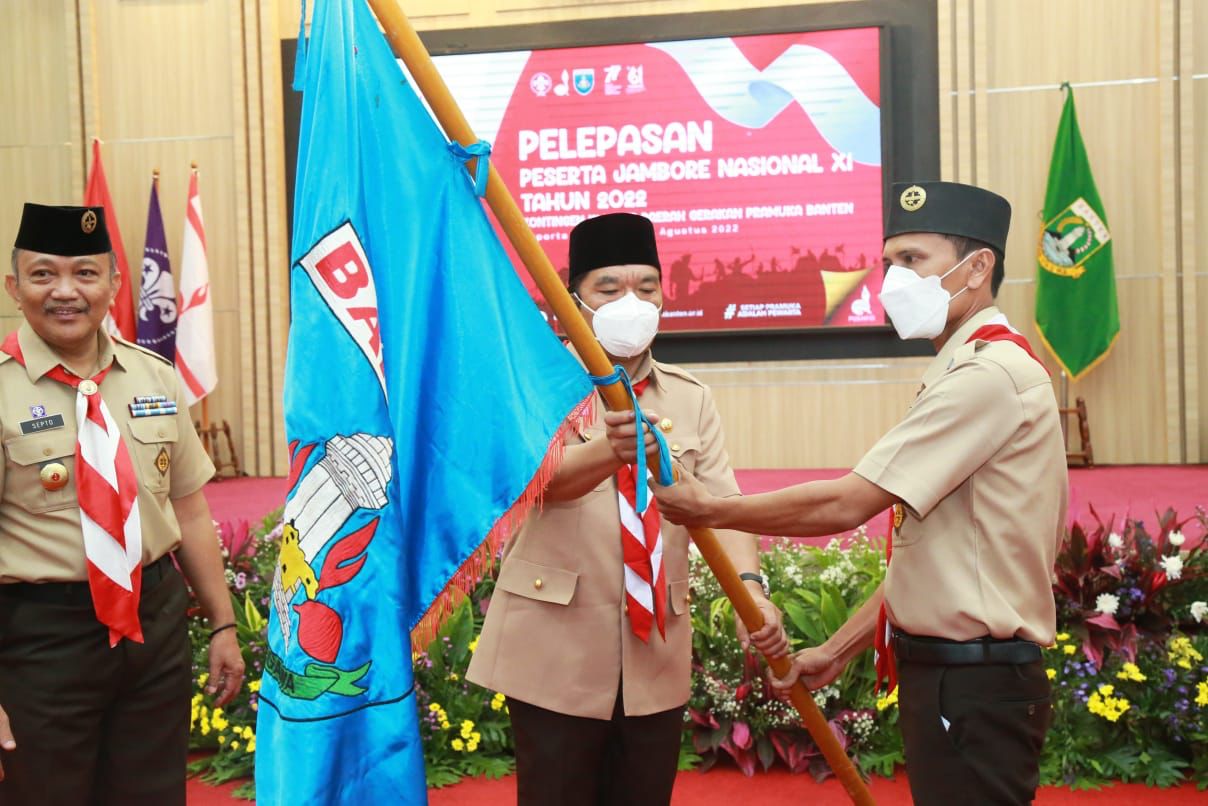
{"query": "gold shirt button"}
(675, 448)
(46, 451)
(160, 432)
(666, 424)
(587, 436)
(538, 584)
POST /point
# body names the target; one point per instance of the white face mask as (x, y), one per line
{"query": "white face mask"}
(918, 306)
(625, 327)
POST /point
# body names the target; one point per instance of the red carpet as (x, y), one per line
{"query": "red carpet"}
(1133, 490)
(726, 786)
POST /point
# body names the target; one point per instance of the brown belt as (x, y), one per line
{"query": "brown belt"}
(978, 652)
(78, 593)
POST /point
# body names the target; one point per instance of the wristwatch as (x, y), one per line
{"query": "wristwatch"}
(747, 576)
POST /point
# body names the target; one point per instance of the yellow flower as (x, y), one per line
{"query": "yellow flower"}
(1052, 673)
(457, 744)
(888, 701)
(1101, 703)
(1130, 671)
(1069, 649)
(234, 745)
(253, 686)
(251, 746)
(471, 747)
(222, 739)
(444, 724)
(201, 680)
(1182, 653)
(474, 644)
(467, 727)
(1107, 689)
(1063, 636)
(1201, 697)
(434, 707)
(453, 676)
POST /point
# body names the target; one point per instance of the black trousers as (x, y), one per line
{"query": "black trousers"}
(95, 725)
(973, 734)
(624, 761)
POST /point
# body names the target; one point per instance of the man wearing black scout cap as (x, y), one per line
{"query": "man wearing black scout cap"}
(588, 634)
(100, 481)
(976, 476)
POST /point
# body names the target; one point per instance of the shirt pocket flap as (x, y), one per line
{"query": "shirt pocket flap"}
(37, 448)
(679, 597)
(540, 582)
(149, 430)
(680, 445)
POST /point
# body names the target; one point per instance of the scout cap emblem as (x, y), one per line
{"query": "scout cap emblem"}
(912, 198)
(54, 476)
(88, 222)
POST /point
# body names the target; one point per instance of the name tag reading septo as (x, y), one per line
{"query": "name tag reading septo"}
(42, 424)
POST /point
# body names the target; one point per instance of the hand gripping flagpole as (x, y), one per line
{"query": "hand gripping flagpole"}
(407, 46)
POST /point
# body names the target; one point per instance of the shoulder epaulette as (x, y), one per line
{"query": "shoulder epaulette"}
(140, 348)
(679, 372)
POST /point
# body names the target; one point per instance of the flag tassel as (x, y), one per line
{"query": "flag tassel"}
(482, 559)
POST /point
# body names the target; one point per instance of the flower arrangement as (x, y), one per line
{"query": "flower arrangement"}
(732, 709)
(228, 735)
(1128, 668)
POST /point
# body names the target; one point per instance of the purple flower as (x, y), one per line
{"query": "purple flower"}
(240, 581)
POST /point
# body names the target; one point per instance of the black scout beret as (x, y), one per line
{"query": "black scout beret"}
(616, 239)
(64, 231)
(949, 208)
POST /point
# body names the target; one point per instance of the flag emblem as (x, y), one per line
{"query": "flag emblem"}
(1071, 238)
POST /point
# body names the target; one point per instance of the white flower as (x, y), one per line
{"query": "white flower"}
(1199, 610)
(1115, 541)
(1173, 566)
(1107, 604)
(1176, 538)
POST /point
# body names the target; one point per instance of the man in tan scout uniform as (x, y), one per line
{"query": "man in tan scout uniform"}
(100, 480)
(588, 632)
(976, 473)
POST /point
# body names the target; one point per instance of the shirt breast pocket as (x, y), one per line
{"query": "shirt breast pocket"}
(684, 449)
(27, 456)
(151, 451)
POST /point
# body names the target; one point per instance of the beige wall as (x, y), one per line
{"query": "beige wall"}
(164, 83)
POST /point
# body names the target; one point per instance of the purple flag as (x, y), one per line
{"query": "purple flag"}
(157, 297)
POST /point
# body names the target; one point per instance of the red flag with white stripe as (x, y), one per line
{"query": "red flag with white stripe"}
(196, 364)
(120, 321)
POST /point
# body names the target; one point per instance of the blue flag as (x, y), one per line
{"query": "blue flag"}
(425, 402)
(156, 322)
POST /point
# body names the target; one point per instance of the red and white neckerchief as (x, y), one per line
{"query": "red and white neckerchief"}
(107, 492)
(996, 329)
(642, 550)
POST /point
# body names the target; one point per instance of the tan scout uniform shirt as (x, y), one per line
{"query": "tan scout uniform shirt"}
(40, 536)
(556, 634)
(979, 462)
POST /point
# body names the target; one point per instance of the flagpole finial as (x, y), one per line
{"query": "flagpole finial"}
(155, 174)
(193, 165)
(1065, 85)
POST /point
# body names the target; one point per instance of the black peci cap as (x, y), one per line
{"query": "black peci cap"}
(616, 239)
(65, 231)
(949, 208)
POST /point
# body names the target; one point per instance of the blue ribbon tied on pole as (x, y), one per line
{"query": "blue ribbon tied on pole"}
(665, 477)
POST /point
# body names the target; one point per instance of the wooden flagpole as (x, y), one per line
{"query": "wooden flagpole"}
(406, 44)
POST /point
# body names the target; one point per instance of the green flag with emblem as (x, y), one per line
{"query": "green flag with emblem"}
(1076, 311)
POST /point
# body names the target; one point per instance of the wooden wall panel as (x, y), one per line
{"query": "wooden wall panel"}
(164, 83)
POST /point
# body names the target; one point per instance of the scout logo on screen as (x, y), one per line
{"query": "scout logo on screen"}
(1071, 238)
(585, 80)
